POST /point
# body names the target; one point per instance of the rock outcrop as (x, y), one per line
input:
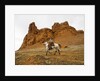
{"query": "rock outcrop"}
(62, 33)
(44, 34)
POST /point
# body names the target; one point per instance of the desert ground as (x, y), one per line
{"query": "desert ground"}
(71, 55)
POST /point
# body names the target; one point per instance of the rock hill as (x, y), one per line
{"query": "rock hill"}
(61, 33)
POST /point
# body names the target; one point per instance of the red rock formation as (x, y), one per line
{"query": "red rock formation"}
(80, 31)
(30, 37)
(32, 28)
(62, 33)
(44, 34)
(59, 27)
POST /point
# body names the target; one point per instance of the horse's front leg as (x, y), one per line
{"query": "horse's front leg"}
(58, 51)
(55, 50)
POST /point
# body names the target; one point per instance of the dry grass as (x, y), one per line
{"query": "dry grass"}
(72, 55)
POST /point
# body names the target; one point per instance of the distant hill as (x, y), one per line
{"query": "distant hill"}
(61, 33)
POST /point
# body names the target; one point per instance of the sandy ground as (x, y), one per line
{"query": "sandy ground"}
(72, 55)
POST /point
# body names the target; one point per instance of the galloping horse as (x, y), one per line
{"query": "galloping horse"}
(50, 47)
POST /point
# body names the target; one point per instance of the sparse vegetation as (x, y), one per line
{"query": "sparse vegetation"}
(73, 55)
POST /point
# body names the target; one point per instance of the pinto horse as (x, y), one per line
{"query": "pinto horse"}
(50, 47)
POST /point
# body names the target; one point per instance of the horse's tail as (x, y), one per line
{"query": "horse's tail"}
(59, 45)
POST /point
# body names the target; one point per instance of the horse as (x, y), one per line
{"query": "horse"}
(50, 47)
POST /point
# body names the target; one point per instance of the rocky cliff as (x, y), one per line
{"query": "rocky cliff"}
(61, 33)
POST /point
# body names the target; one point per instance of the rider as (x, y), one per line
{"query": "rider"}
(50, 43)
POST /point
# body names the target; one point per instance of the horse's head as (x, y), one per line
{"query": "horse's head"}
(45, 43)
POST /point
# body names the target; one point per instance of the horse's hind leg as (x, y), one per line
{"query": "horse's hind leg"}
(59, 51)
(46, 52)
(55, 52)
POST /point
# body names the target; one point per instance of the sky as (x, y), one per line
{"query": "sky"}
(22, 21)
